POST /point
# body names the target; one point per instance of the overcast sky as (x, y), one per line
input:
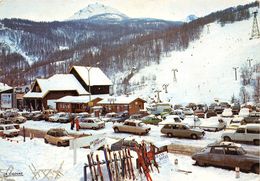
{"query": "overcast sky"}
(49, 10)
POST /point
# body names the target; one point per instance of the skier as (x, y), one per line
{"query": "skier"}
(77, 124)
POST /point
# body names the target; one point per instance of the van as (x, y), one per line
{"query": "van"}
(246, 133)
(158, 108)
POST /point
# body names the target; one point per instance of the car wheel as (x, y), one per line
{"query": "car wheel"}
(256, 142)
(169, 134)
(58, 144)
(45, 141)
(200, 163)
(226, 138)
(193, 136)
(256, 169)
(116, 130)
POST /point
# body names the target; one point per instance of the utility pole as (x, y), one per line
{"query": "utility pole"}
(235, 69)
(89, 86)
(255, 34)
(158, 95)
(249, 62)
(174, 74)
(165, 86)
(208, 29)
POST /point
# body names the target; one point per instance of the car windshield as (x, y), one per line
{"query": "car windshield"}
(10, 127)
(62, 133)
(97, 120)
(241, 151)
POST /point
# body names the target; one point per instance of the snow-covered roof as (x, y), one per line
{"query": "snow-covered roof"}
(4, 87)
(57, 82)
(118, 100)
(97, 76)
(76, 99)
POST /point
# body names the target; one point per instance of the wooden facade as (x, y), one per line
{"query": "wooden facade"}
(73, 107)
(133, 107)
(37, 103)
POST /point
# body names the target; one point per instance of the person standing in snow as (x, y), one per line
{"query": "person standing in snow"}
(77, 124)
(72, 122)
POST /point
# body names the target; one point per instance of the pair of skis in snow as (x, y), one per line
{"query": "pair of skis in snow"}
(95, 168)
(119, 164)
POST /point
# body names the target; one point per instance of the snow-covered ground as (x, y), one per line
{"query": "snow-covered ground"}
(45, 156)
(205, 68)
(154, 135)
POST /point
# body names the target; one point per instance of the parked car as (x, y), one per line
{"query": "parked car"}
(211, 113)
(8, 130)
(235, 108)
(158, 108)
(213, 124)
(29, 115)
(227, 155)
(151, 119)
(18, 119)
(38, 117)
(219, 108)
(182, 130)
(91, 123)
(172, 118)
(10, 113)
(48, 113)
(200, 113)
(187, 111)
(227, 112)
(246, 133)
(179, 112)
(136, 116)
(56, 117)
(65, 118)
(254, 117)
(132, 126)
(244, 112)
(192, 121)
(57, 136)
(121, 144)
(113, 117)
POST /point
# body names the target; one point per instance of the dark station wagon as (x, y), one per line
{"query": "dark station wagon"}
(227, 155)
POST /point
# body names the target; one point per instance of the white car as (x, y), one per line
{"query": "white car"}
(192, 121)
(227, 112)
(172, 118)
(188, 111)
(57, 116)
(91, 123)
(244, 112)
(213, 124)
(246, 133)
(9, 130)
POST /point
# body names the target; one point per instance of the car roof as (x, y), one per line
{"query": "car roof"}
(133, 120)
(224, 144)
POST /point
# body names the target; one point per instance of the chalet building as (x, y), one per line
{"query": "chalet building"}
(94, 77)
(76, 104)
(45, 92)
(120, 104)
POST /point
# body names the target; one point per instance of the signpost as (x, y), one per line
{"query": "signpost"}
(6, 100)
(94, 142)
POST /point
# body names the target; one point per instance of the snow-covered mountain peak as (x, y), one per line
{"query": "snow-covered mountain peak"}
(98, 9)
(190, 18)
